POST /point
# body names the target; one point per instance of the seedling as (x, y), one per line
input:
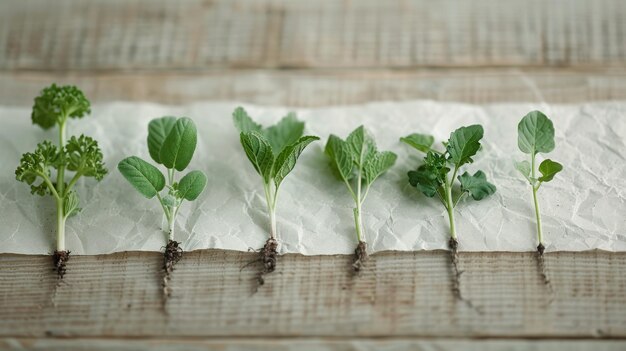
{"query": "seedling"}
(171, 143)
(432, 179)
(80, 155)
(535, 134)
(357, 162)
(273, 151)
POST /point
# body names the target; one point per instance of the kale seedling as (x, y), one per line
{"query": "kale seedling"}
(80, 155)
(432, 178)
(357, 162)
(171, 142)
(535, 134)
(273, 151)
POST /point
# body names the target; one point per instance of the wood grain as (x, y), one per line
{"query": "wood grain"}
(160, 34)
(313, 88)
(399, 294)
(298, 344)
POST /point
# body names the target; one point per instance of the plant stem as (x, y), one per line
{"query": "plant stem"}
(271, 208)
(537, 214)
(60, 189)
(450, 205)
(60, 225)
(357, 211)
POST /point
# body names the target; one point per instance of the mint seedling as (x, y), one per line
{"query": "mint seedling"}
(78, 155)
(536, 135)
(357, 162)
(433, 178)
(273, 152)
(171, 143)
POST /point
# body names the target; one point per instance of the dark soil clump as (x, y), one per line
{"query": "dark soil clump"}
(269, 256)
(360, 256)
(173, 254)
(60, 261)
(543, 272)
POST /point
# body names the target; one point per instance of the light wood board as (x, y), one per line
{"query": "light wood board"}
(399, 294)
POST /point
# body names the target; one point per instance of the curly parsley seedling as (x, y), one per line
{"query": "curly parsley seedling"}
(273, 152)
(357, 162)
(171, 142)
(432, 178)
(79, 155)
(536, 135)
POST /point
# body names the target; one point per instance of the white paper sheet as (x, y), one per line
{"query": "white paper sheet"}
(583, 208)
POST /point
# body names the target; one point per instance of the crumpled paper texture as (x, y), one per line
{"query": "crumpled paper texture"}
(583, 208)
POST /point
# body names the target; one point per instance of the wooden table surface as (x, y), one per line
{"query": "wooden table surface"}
(315, 53)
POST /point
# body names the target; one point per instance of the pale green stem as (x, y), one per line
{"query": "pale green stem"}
(357, 211)
(60, 225)
(170, 174)
(537, 214)
(72, 182)
(271, 208)
(450, 203)
(169, 216)
(60, 190)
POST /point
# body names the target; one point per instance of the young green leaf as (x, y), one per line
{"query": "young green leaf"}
(377, 164)
(284, 133)
(425, 180)
(37, 165)
(56, 103)
(259, 152)
(179, 146)
(144, 177)
(286, 160)
(192, 185)
(524, 168)
(341, 157)
(421, 142)
(549, 169)
(361, 145)
(243, 122)
(535, 133)
(158, 130)
(84, 157)
(464, 143)
(70, 206)
(476, 185)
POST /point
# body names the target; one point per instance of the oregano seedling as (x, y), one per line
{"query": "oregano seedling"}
(358, 164)
(433, 178)
(79, 156)
(171, 143)
(273, 152)
(535, 134)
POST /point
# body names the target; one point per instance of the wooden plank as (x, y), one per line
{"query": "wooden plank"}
(157, 34)
(399, 294)
(311, 88)
(272, 344)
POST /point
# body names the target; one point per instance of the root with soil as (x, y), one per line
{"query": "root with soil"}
(360, 256)
(543, 272)
(60, 259)
(456, 277)
(268, 257)
(173, 254)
